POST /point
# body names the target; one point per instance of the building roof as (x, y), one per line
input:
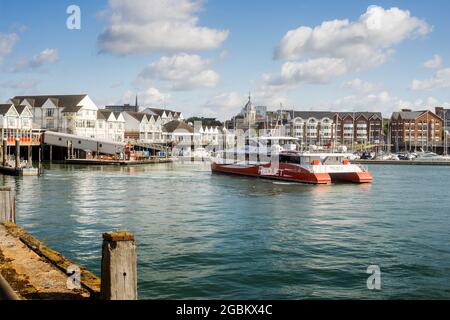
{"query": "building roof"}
(103, 114)
(73, 109)
(137, 115)
(160, 112)
(58, 100)
(313, 114)
(177, 125)
(407, 115)
(117, 114)
(4, 108)
(21, 108)
(330, 114)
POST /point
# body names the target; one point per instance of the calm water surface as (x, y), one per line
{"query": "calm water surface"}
(211, 236)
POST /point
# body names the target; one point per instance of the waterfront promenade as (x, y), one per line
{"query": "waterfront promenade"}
(33, 274)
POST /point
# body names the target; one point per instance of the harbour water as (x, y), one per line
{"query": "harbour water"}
(211, 236)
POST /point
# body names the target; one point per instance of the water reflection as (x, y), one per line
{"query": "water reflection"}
(201, 235)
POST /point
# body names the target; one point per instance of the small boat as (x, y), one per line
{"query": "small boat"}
(201, 153)
(292, 166)
(431, 156)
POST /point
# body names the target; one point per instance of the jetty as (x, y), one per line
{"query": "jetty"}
(31, 270)
(117, 162)
(17, 168)
(402, 162)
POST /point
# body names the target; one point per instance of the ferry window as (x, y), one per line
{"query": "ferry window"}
(289, 159)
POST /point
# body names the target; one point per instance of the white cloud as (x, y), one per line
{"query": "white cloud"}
(376, 102)
(47, 56)
(440, 80)
(184, 71)
(156, 25)
(381, 101)
(7, 43)
(337, 47)
(224, 105)
(320, 70)
(359, 86)
(434, 63)
(150, 97)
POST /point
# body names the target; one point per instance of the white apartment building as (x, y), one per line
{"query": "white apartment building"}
(16, 122)
(166, 116)
(143, 127)
(73, 114)
(110, 126)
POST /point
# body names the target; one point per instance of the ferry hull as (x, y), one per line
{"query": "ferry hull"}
(286, 174)
(354, 177)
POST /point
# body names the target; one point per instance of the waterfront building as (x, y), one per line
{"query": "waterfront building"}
(327, 128)
(411, 130)
(250, 117)
(110, 126)
(444, 114)
(311, 127)
(322, 128)
(180, 133)
(17, 122)
(209, 135)
(72, 114)
(142, 127)
(165, 115)
(359, 128)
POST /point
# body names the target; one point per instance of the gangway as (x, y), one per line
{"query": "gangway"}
(60, 139)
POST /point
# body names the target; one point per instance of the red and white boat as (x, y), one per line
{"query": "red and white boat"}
(292, 166)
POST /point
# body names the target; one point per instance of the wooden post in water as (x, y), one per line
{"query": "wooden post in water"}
(7, 205)
(68, 149)
(119, 278)
(5, 151)
(30, 156)
(17, 153)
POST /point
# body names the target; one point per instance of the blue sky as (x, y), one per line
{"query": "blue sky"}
(203, 57)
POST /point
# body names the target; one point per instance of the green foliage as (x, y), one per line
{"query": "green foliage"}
(208, 122)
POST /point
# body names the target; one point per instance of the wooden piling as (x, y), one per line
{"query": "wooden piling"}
(5, 151)
(7, 205)
(119, 271)
(6, 292)
(68, 150)
(17, 153)
(30, 155)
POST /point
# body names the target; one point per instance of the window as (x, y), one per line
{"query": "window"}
(289, 159)
(50, 124)
(50, 112)
(11, 122)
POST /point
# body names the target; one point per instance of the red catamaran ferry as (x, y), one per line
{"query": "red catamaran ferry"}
(292, 166)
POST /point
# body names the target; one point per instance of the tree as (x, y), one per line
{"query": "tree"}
(207, 122)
